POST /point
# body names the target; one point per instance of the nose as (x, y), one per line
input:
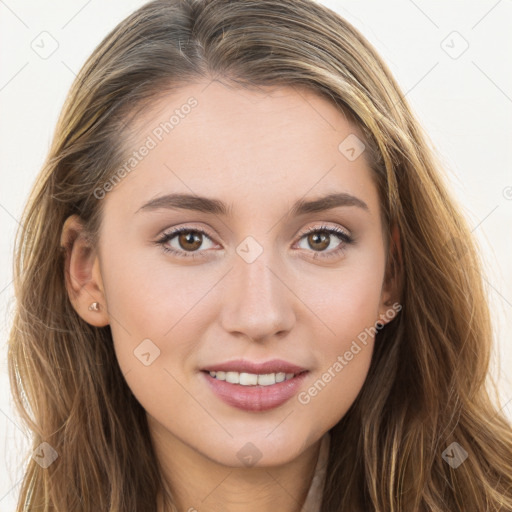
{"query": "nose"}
(258, 302)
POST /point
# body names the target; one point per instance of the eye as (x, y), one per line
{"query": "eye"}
(188, 241)
(321, 238)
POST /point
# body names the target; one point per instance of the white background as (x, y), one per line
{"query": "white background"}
(464, 103)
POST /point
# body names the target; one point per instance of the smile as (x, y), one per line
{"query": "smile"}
(254, 392)
(252, 379)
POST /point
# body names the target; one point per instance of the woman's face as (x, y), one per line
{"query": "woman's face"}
(236, 171)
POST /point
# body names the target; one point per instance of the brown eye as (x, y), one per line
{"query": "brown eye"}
(186, 242)
(190, 240)
(318, 240)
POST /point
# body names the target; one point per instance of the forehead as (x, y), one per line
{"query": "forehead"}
(274, 144)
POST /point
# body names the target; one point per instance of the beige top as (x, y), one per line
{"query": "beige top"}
(314, 496)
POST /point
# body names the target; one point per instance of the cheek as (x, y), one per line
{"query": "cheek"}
(158, 315)
(152, 299)
(349, 309)
(166, 305)
(348, 300)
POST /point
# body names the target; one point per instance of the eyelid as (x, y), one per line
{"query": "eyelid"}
(325, 227)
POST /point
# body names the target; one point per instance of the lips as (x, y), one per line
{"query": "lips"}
(277, 381)
(255, 398)
(244, 366)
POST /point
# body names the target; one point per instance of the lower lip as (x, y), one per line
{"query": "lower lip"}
(255, 398)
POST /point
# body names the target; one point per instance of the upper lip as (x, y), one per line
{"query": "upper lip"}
(244, 366)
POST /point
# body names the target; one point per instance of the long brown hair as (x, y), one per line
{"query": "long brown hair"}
(428, 384)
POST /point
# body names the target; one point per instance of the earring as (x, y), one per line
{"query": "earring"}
(95, 306)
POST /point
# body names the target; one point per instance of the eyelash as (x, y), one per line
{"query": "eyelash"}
(166, 237)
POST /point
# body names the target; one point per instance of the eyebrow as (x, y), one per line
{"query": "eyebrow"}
(217, 207)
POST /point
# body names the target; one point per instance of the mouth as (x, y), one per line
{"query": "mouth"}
(254, 387)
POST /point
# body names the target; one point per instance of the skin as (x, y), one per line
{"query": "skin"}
(260, 152)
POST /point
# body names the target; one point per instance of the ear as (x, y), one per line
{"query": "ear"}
(391, 287)
(82, 273)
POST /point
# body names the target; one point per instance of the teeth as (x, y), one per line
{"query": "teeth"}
(233, 377)
(252, 379)
(267, 379)
(248, 379)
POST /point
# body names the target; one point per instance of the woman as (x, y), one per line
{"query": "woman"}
(242, 284)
